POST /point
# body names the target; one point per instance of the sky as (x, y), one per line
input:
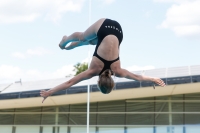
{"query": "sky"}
(157, 34)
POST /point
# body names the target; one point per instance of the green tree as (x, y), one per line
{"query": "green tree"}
(80, 67)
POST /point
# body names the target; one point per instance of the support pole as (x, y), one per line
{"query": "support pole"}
(88, 87)
(170, 114)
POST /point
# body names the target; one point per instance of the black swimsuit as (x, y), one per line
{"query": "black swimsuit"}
(109, 27)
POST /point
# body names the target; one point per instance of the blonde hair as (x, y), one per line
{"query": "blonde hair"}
(105, 83)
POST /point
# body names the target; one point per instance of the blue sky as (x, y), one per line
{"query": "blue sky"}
(157, 34)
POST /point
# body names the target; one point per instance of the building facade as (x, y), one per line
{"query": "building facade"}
(131, 108)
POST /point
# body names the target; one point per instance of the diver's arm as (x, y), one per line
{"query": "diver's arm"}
(129, 75)
(80, 77)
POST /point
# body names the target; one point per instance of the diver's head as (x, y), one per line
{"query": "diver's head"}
(105, 82)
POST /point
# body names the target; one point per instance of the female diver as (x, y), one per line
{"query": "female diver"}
(107, 35)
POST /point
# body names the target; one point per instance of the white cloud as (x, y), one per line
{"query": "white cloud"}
(148, 14)
(139, 68)
(18, 55)
(107, 2)
(173, 1)
(64, 71)
(9, 72)
(183, 18)
(12, 11)
(14, 73)
(86, 60)
(38, 51)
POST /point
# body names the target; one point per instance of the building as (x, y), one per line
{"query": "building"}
(131, 107)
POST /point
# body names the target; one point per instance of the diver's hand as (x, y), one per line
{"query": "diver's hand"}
(158, 81)
(44, 94)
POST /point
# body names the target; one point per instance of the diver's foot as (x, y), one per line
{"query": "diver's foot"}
(62, 43)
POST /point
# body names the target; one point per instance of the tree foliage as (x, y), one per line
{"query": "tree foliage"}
(80, 67)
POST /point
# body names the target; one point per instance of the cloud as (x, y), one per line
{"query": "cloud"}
(9, 72)
(34, 74)
(18, 55)
(148, 14)
(13, 73)
(86, 60)
(107, 2)
(38, 51)
(12, 11)
(183, 18)
(139, 68)
(173, 1)
(64, 71)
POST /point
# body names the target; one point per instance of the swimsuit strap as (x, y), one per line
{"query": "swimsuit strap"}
(106, 63)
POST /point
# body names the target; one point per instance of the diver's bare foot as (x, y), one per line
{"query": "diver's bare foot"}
(63, 42)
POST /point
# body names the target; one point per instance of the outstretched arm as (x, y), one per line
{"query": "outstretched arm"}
(81, 43)
(126, 74)
(82, 76)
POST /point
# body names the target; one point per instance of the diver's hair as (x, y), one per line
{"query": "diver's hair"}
(105, 82)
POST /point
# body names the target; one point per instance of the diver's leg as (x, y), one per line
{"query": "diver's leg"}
(88, 35)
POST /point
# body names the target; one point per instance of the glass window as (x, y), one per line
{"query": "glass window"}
(93, 119)
(178, 129)
(7, 110)
(47, 129)
(140, 119)
(27, 119)
(192, 118)
(6, 129)
(163, 129)
(78, 119)
(63, 119)
(93, 107)
(82, 130)
(111, 119)
(6, 119)
(78, 108)
(177, 106)
(171, 129)
(161, 107)
(111, 130)
(48, 119)
(192, 129)
(192, 107)
(162, 119)
(194, 96)
(36, 109)
(111, 106)
(140, 107)
(140, 130)
(177, 97)
(177, 119)
(27, 129)
(49, 109)
(64, 108)
(63, 129)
